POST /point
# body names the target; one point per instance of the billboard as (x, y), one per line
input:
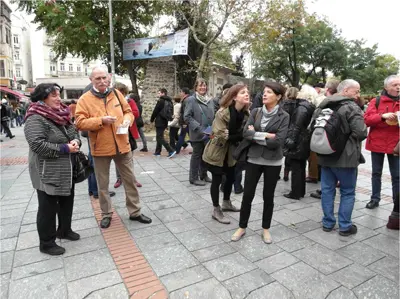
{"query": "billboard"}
(154, 47)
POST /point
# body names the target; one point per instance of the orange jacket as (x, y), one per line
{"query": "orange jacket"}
(104, 140)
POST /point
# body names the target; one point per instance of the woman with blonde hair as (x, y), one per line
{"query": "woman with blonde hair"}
(297, 143)
(227, 132)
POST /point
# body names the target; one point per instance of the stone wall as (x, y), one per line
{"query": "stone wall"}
(253, 84)
(160, 73)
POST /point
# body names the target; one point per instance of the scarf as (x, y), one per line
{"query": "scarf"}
(385, 93)
(267, 115)
(100, 95)
(203, 99)
(59, 116)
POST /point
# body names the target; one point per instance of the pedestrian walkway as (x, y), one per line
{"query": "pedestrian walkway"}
(185, 254)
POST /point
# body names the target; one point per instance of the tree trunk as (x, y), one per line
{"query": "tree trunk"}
(132, 76)
(202, 64)
(323, 72)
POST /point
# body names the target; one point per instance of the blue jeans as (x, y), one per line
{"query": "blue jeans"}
(348, 179)
(181, 139)
(92, 183)
(377, 166)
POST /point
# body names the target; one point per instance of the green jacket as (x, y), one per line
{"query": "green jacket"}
(219, 146)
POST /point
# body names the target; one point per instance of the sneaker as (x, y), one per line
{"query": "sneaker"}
(157, 154)
(351, 231)
(118, 183)
(52, 250)
(171, 154)
(144, 150)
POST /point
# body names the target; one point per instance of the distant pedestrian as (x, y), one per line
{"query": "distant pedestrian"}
(5, 118)
(140, 123)
(184, 94)
(174, 123)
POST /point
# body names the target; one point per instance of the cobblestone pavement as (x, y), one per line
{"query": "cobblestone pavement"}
(189, 252)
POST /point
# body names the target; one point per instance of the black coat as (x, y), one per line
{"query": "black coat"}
(160, 121)
(297, 143)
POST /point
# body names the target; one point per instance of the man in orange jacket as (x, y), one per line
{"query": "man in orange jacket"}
(105, 113)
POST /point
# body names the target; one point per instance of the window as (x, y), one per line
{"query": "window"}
(52, 67)
(16, 55)
(51, 55)
(16, 39)
(79, 68)
(8, 36)
(62, 66)
(220, 81)
(70, 67)
(2, 69)
(18, 72)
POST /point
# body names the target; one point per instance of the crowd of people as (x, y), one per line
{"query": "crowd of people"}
(228, 135)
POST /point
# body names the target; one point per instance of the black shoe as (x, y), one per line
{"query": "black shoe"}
(12, 136)
(327, 229)
(71, 235)
(351, 231)
(52, 250)
(291, 196)
(112, 193)
(145, 150)
(105, 222)
(285, 178)
(239, 190)
(316, 194)
(372, 205)
(141, 218)
(185, 145)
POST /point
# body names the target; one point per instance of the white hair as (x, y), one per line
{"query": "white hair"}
(101, 67)
(346, 84)
(389, 80)
(308, 93)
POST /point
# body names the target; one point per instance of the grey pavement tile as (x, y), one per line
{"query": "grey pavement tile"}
(28, 228)
(295, 243)
(377, 288)
(9, 231)
(28, 240)
(157, 241)
(213, 252)
(148, 231)
(277, 262)
(331, 240)
(297, 206)
(378, 213)
(305, 282)
(83, 287)
(149, 199)
(11, 220)
(195, 204)
(4, 284)
(173, 214)
(287, 217)
(210, 289)
(31, 255)
(226, 236)
(280, 233)
(217, 227)
(342, 293)
(388, 207)
(118, 291)
(88, 264)
(185, 277)
(254, 248)
(388, 232)
(361, 253)
(183, 197)
(203, 215)
(257, 224)
(312, 213)
(12, 213)
(133, 225)
(82, 215)
(37, 268)
(184, 225)
(13, 207)
(272, 291)
(242, 285)
(198, 239)
(170, 259)
(162, 204)
(85, 233)
(6, 262)
(384, 243)
(229, 266)
(322, 259)
(370, 221)
(388, 267)
(46, 285)
(255, 215)
(352, 276)
(90, 244)
(8, 244)
(82, 224)
(363, 233)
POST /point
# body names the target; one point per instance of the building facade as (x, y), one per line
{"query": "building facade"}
(6, 51)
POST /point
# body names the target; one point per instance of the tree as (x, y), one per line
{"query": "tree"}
(239, 66)
(82, 28)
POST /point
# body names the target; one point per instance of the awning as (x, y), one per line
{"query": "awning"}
(14, 93)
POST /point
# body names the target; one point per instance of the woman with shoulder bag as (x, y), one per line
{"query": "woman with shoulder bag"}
(174, 123)
(266, 128)
(227, 132)
(52, 140)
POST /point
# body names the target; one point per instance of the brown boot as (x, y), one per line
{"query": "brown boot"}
(394, 221)
(219, 216)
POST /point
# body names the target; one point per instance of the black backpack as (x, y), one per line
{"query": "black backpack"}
(327, 137)
(168, 110)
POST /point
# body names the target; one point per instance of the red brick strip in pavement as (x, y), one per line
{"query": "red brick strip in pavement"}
(138, 276)
(13, 161)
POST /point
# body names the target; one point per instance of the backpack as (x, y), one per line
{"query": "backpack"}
(168, 110)
(327, 138)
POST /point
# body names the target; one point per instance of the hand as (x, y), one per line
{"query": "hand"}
(73, 148)
(250, 128)
(108, 120)
(74, 143)
(226, 133)
(126, 123)
(270, 136)
(184, 126)
(389, 116)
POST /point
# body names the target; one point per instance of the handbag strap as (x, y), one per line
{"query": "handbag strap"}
(64, 133)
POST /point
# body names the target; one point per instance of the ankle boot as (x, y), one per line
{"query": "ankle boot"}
(394, 221)
(228, 206)
(219, 216)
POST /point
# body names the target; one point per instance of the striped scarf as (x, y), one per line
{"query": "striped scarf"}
(60, 117)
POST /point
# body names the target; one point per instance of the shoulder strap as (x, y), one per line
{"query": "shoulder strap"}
(63, 131)
(377, 101)
(116, 94)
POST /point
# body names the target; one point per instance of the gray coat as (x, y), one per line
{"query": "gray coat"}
(50, 170)
(272, 150)
(352, 120)
(198, 116)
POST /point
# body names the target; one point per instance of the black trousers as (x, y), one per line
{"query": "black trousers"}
(298, 168)
(161, 141)
(173, 136)
(6, 129)
(253, 174)
(49, 206)
(229, 174)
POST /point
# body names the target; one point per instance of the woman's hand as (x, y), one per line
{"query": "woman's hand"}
(270, 136)
(73, 146)
(250, 128)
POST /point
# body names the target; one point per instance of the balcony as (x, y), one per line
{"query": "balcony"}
(70, 74)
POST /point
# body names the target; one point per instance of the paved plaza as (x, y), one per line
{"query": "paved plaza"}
(190, 254)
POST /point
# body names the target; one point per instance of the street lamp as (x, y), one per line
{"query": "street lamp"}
(111, 43)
